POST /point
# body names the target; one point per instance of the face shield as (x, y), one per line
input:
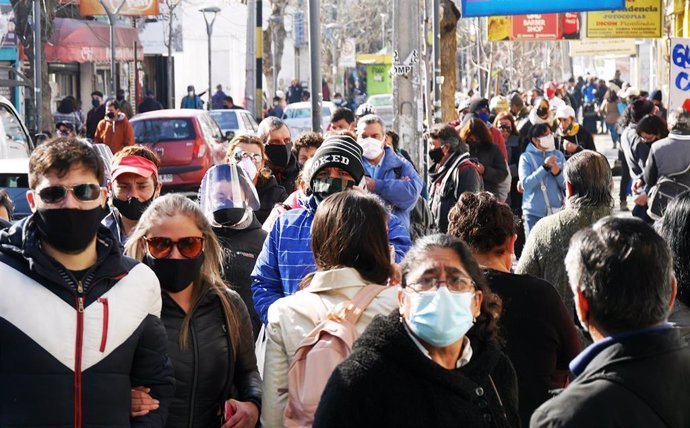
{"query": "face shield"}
(227, 195)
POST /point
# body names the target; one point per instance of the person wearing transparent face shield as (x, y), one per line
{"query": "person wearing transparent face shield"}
(228, 199)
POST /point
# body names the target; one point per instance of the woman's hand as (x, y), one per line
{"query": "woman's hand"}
(480, 168)
(244, 415)
(142, 402)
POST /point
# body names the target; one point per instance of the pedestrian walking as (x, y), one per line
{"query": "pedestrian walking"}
(150, 103)
(192, 100)
(490, 162)
(279, 156)
(114, 130)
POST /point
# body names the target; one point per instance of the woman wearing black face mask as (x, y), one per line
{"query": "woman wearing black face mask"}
(228, 199)
(209, 336)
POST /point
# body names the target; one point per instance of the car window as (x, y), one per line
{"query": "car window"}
(15, 143)
(298, 113)
(325, 111)
(210, 128)
(165, 130)
(14, 181)
(226, 119)
(247, 124)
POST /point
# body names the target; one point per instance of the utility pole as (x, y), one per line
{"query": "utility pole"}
(38, 61)
(436, 20)
(250, 59)
(112, 17)
(213, 10)
(315, 56)
(406, 81)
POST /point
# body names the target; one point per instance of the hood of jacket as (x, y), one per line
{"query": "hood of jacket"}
(22, 244)
(119, 118)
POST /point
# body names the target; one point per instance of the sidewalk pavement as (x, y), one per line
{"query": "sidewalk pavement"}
(604, 145)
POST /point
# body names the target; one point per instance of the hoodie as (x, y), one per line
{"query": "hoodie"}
(116, 133)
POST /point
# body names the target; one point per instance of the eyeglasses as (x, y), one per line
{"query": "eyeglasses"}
(239, 155)
(454, 283)
(504, 127)
(160, 247)
(56, 194)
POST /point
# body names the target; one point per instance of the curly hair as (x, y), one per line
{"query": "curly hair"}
(307, 140)
(485, 329)
(481, 221)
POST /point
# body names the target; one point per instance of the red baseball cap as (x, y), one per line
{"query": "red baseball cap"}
(135, 165)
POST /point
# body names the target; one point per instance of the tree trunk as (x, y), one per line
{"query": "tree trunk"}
(449, 48)
(23, 11)
(276, 27)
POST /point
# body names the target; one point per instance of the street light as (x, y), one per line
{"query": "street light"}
(331, 31)
(213, 11)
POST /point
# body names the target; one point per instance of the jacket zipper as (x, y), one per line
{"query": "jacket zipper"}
(195, 375)
(78, 356)
(104, 334)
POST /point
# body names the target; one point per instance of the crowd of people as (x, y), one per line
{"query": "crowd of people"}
(323, 280)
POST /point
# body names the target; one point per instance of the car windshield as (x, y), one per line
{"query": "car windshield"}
(225, 119)
(304, 113)
(383, 101)
(155, 130)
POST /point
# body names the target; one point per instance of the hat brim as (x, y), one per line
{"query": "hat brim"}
(118, 171)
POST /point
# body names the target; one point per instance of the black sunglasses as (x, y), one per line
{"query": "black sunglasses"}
(83, 192)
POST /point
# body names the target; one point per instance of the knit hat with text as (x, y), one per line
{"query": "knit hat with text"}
(340, 151)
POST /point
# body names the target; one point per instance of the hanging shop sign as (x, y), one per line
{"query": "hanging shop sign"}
(534, 27)
(475, 8)
(679, 82)
(130, 8)
(639, 20)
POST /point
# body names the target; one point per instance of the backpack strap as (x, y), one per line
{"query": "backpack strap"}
(361, 301)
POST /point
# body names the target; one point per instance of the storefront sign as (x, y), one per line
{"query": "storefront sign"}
(640, 19)
(550, 26)
(130, 8)
(474, 8)
(679, 74)
(603, 48)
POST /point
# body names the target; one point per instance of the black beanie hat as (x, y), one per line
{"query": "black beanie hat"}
(340, 151)
(478, 103)
(656, 95)
(640, 108)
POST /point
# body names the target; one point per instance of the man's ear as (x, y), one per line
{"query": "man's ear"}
(157, 192)
(31, 199)
(568, 189)
(582, 307)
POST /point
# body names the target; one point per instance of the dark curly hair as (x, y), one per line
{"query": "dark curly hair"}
(482, 221)
(307, 140)
(485, 329)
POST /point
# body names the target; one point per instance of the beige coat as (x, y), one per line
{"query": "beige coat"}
(290, 319)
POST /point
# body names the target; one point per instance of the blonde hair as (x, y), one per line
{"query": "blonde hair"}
(209, 277)
(265, 172)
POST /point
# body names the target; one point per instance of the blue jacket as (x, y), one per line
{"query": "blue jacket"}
(194, 102)
(286, 257)
(401, 195)
(531, 178)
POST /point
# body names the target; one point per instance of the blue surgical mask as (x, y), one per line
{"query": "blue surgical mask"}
(484, 116)
(440, 318)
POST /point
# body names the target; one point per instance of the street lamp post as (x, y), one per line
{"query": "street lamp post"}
(213, 10)
(112, 16)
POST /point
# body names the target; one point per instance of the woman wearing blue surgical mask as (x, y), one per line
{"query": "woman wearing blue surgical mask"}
(541, 178)
(433, 362)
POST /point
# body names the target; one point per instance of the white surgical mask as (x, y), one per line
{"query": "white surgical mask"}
(547, 142)
(248, 166)
(371, 147)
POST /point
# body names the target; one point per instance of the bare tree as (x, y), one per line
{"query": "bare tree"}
(23, 13)
(449, 46)
(273, 49)
(171, 33)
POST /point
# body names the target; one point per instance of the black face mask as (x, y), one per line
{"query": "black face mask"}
(279, 155)
(110, 115)
(436, 155)
(131, 208)
(228, 216)
(68, 230)
(542, 111)
(175, 274)
(325, 187)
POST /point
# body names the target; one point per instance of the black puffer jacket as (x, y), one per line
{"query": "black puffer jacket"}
(286, 176)
(70, 351)
(206, 372)
(413, 391)
(270, 193)
(241, 248)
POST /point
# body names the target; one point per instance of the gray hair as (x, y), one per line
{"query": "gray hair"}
(270, 124)
(369, 120)
(624, 270)
(590, 178)
(679, 121)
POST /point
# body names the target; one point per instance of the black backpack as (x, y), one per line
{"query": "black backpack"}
(421, 218)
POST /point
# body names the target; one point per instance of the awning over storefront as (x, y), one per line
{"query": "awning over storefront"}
(75, 40)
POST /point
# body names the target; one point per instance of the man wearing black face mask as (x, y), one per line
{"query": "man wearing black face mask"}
(96, 114)
(134, 185)
(81, 319)
(451, 172)
(114, 130)
(286, 257)
(278, 145)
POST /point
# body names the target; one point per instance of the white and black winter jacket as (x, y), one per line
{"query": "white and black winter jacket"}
(70, 351)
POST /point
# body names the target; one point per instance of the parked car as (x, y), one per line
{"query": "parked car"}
(383, 104)
(188, 142)
(297, 117)
(14, 137)
(234, 122)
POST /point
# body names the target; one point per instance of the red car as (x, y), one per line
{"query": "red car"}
(188, 142)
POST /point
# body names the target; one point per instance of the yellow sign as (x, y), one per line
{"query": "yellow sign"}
(640, 19)
(129, 8)
(500, 28)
